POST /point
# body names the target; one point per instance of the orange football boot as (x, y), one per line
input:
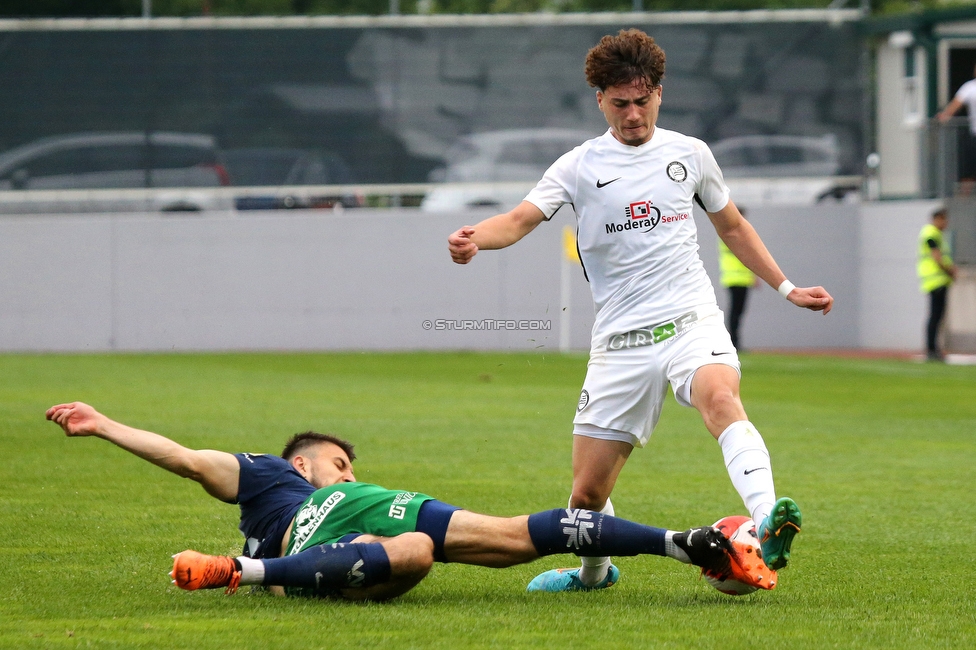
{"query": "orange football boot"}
(192, 571)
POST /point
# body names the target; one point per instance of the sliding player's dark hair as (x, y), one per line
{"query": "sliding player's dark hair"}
(302, 441)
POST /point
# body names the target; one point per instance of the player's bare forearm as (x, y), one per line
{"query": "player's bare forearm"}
(745, 243)
(503, 230)
(494, 233)
(951, 109)
(757, 259)
(217, 471)
(79, 419)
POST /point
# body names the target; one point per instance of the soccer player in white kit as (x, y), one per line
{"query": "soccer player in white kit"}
(657, 320)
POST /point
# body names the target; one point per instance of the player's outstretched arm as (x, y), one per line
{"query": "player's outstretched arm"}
(493, 233)
(744, 242)
(218, 472)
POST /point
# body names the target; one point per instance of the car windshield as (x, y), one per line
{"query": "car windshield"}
(174, 156)
(538, 153)
(774, 156)
(260, 168)
(462, 151)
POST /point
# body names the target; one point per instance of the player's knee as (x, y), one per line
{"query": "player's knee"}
(413, 553)
(423, 552)
(589, 497)
(721, 405)
(411, 557)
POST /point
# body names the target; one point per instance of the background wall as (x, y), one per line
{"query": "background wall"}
(814, 246)
(368, 279)
(364, 279)
(892, 310)
(390, 98)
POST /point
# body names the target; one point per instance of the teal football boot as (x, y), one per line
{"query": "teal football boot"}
(776, 532)
(568, 580)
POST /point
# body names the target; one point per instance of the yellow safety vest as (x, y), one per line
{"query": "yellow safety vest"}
(734, 273)
(932, 276)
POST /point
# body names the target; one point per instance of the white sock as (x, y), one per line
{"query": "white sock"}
(747, 461)
(673, 550)
(252, 571)
(595, 569)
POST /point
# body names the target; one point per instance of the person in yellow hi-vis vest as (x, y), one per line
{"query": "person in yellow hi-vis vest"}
(935, 273)
(738, 279)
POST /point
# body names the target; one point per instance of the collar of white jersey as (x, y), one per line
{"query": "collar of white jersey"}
(657, 137)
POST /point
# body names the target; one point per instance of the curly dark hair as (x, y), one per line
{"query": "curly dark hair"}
(620, 60)
(302, 441)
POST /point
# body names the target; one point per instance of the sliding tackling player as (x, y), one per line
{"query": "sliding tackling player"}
(361, 541)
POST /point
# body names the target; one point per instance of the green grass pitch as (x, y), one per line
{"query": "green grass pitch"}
(880, 455)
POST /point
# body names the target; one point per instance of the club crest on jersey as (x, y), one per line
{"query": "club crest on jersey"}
(677, 172)
(310, 517)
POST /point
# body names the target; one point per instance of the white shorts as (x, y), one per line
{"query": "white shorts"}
(624, 389)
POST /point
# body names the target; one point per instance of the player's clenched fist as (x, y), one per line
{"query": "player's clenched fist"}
(461, 247)
(812, 298)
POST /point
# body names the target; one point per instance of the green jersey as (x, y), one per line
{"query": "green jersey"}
(338, 510)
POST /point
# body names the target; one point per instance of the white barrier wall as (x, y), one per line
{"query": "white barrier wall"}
(369, 279)
(814, 245)
(893, 309)
(282, 280)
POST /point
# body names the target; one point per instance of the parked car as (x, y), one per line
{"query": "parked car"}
(784, 170)
(124, 160)
(498, 168)
(267, 167)
(777, 156)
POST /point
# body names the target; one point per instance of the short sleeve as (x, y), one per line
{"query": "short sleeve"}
(269, 495)
(711, 188)
(966, 92)
(557, 186)
(962, 94)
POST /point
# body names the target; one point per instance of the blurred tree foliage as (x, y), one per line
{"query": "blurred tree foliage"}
(96, 8)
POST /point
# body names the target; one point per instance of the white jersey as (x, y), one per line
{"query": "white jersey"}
(636, 235)
(967, 95)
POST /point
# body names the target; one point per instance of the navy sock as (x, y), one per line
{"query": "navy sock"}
(591, 534)
(328, 567)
